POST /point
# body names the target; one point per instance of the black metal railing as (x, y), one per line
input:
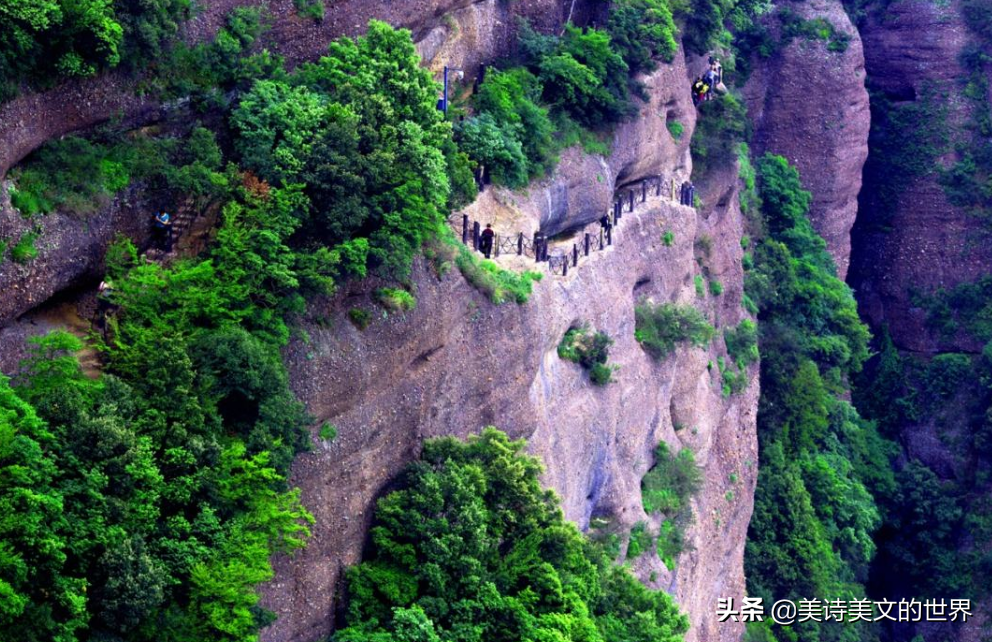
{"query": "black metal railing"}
(561, 259)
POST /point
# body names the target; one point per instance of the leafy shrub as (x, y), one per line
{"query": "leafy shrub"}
(676, 129)
(716, 288)
(55, 39)
(589, 350)
(794, 26)
(742, 343)
(640, 541)
(660, 327)
(703, 23)
(533, 573)
(313, 9)
(395, 299)
(667, 487)
(361, 318)
(71, 173)
(328, 431)
(732, 382)
(671, 543)
(807, 536)
(965, 307)
(946, 373)
(24, 250)
(496, 283)
(360, 129)
(207, 71)
(667, 239)
(700, 285)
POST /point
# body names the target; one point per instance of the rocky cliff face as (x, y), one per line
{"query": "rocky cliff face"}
(457, 363)
(920, 241)
(810, 105)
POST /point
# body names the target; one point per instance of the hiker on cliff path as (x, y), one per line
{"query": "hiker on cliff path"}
(163, 230)
(486, 240)
(699, 90)
(104, 303)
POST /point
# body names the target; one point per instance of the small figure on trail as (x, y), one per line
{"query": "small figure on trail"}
(714, 78)
(540, 246)
(606, 222)
(486, 240)
(699, 90)
(104, 303)
(163, 231)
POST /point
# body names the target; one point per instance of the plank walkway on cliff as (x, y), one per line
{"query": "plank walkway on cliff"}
(558, 256)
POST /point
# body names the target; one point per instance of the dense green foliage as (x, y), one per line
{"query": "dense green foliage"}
(936, 527)
(511, 100)
(721, 127)
(580, 74)
(673, 479)
(156, 495)
(43, 40)
(564, 87)
(639, 542)
(821, 463)
(79, 176)
(967, 307)
(210, 73)
(591, 350)
(468, 547)
(661, 327)
(361, 131)
(642, 31)
(794, 26)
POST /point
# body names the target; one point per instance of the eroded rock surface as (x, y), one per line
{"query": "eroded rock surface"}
(810, 105)
(456, 363)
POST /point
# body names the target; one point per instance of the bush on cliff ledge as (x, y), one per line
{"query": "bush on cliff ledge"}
(470, 547)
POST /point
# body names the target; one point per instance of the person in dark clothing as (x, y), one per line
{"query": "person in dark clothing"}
(486, 240)
(163, 230)
(606, 222)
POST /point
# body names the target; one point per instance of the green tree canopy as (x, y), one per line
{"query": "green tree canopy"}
(469, 547)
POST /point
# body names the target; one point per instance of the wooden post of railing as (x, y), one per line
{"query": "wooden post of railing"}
(587, 243)
(631, 200)
(600, 239)
(644, 191)
(575, 255)
(658, 193)
(564, 266)
(520, 244)
(496, 241)
(609, 236)
(475, 235)
(673, 188)
(465, 229)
